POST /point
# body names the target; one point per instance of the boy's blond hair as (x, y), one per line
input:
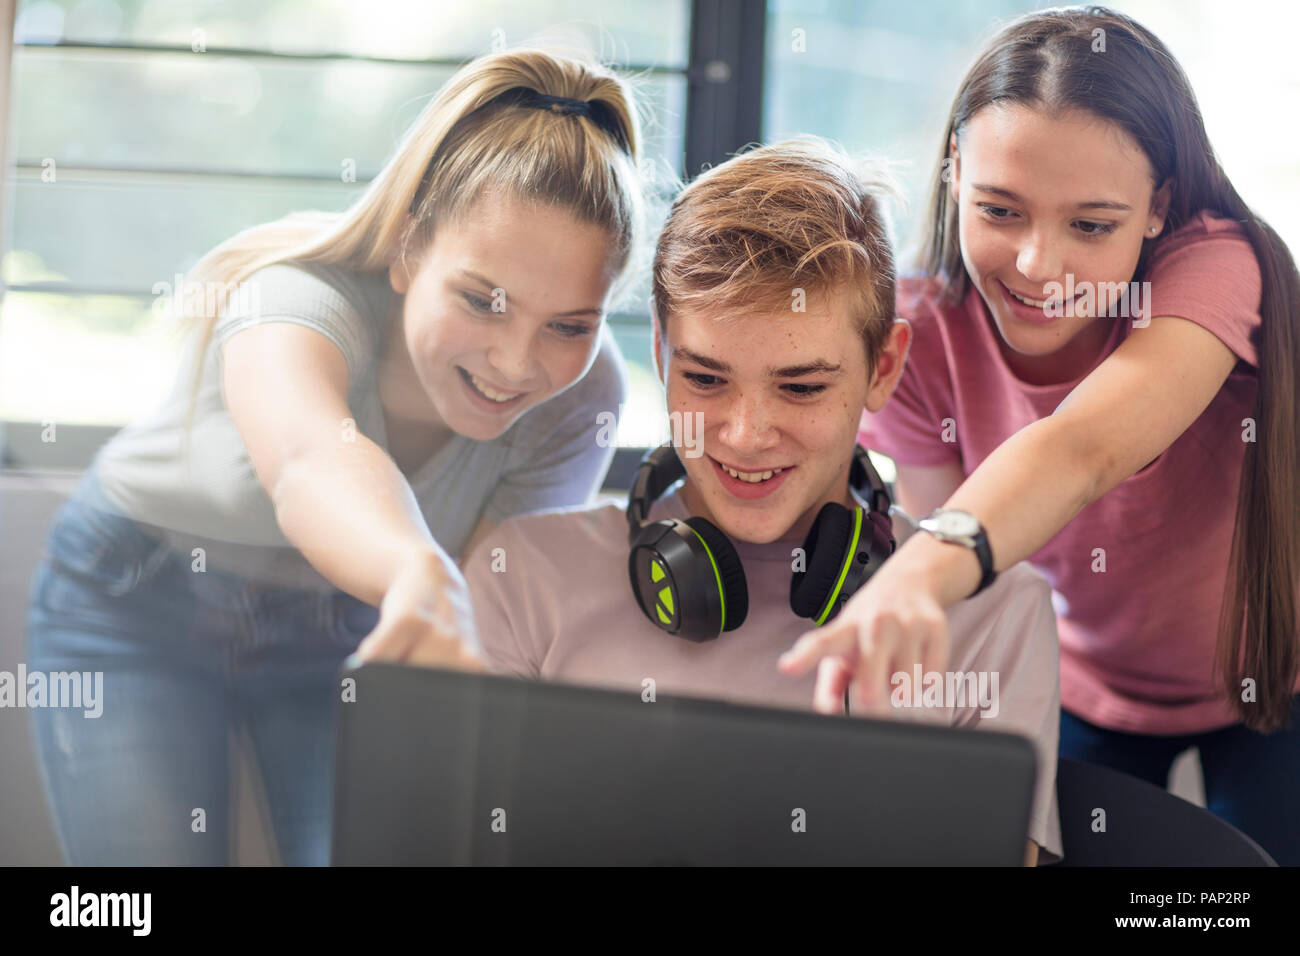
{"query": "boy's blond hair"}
(756, 230)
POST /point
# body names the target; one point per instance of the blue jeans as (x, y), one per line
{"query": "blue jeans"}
(186, 658)
(1252, 780)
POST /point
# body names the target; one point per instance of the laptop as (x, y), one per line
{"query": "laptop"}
(438, 767)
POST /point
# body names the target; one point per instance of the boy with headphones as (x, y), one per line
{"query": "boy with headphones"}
(773, 328)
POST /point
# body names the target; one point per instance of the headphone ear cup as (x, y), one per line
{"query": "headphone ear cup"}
(824, 550)
(731, 572)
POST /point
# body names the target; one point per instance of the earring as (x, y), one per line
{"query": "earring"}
(1152, 230)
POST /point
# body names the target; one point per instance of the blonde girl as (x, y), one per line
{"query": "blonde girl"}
(372, 392)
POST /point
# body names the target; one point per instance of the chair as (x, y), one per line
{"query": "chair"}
(1145, 825)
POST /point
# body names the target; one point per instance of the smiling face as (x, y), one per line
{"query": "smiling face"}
(1041, 198)
(777, 390)
(502, 311)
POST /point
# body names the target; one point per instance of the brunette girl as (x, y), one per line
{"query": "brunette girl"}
(1102, 381)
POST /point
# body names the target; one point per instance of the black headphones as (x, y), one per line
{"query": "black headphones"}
(689, 580)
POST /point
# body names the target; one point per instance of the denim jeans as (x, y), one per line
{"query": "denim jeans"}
(1252, 780)
(186, 657)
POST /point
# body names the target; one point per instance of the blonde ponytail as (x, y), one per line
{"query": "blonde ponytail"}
(469, 140)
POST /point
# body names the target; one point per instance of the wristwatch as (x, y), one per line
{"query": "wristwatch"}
(962, 527)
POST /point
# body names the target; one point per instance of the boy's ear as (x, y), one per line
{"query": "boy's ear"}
(889, 366)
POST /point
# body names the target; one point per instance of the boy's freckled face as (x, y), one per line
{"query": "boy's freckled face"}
(776, 390)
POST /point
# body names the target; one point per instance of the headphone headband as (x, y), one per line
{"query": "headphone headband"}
(659, 469)
(864, 478)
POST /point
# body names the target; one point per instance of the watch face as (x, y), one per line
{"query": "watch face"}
(957, 523)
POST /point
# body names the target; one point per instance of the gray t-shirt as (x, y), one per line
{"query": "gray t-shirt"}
(552, 601)
(209, 496)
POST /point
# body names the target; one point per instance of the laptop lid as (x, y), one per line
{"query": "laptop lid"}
(439, 767)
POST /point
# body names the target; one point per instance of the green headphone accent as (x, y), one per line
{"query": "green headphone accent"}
(844, 569)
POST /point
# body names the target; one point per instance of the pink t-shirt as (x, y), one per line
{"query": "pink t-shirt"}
(1137, 640)
(554, 602)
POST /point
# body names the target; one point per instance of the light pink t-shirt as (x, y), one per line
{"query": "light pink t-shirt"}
(563, 609)
(1137, 640)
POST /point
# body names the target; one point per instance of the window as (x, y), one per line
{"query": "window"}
(144, 133)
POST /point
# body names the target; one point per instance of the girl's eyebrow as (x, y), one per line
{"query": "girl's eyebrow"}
(1092, 204)
(559, 315)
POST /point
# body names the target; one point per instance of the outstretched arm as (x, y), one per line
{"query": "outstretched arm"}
(1119, 418)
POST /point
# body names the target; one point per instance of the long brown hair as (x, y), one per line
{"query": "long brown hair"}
(1046, 61)
(474, 136)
